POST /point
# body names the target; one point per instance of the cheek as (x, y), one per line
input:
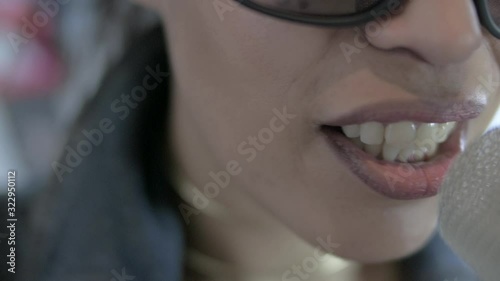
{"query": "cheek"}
(241, 46)
(236, 68)
(489, 81)
(270, 50)
(494, 44)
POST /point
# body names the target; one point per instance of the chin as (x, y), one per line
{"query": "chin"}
(386, 246)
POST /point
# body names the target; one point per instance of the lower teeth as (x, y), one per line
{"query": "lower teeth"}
(414, 152)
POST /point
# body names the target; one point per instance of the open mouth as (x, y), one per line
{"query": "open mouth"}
(405, 142)
(402, 160)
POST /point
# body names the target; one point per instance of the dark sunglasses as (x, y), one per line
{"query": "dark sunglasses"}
(344, 13)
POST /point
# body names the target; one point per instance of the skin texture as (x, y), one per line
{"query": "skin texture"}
(231, 69)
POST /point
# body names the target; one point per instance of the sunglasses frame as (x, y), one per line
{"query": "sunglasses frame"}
(486, 17)
(356, 19)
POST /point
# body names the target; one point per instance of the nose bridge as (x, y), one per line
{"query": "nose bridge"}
(440, 31)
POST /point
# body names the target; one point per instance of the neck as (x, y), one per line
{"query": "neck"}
(246, 243)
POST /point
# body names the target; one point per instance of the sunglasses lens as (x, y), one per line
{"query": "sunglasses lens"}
(319, 7)
(494, 9)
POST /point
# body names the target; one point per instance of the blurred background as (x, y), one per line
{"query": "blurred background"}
(53, 55)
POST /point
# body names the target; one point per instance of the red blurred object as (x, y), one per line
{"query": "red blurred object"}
(29, 63)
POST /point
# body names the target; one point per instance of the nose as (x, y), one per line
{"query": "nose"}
(441, 32)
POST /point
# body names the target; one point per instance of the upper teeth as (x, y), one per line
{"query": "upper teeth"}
(403, 141)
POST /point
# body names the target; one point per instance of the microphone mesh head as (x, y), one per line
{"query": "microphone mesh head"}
(470, 206)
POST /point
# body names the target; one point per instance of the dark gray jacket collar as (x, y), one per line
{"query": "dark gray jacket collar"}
(113, 217)
(112, 213)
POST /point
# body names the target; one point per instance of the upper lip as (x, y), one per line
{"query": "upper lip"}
(417, 111)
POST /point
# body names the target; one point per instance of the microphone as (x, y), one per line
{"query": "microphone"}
(470, 206)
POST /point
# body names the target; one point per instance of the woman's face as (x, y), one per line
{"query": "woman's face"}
(258, 101)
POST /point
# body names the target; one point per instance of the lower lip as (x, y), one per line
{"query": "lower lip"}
(402, 181)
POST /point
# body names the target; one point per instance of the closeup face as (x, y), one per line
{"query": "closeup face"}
(345, 132)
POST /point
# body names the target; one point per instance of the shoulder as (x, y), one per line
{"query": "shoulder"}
(99, 202)
(436, 262)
